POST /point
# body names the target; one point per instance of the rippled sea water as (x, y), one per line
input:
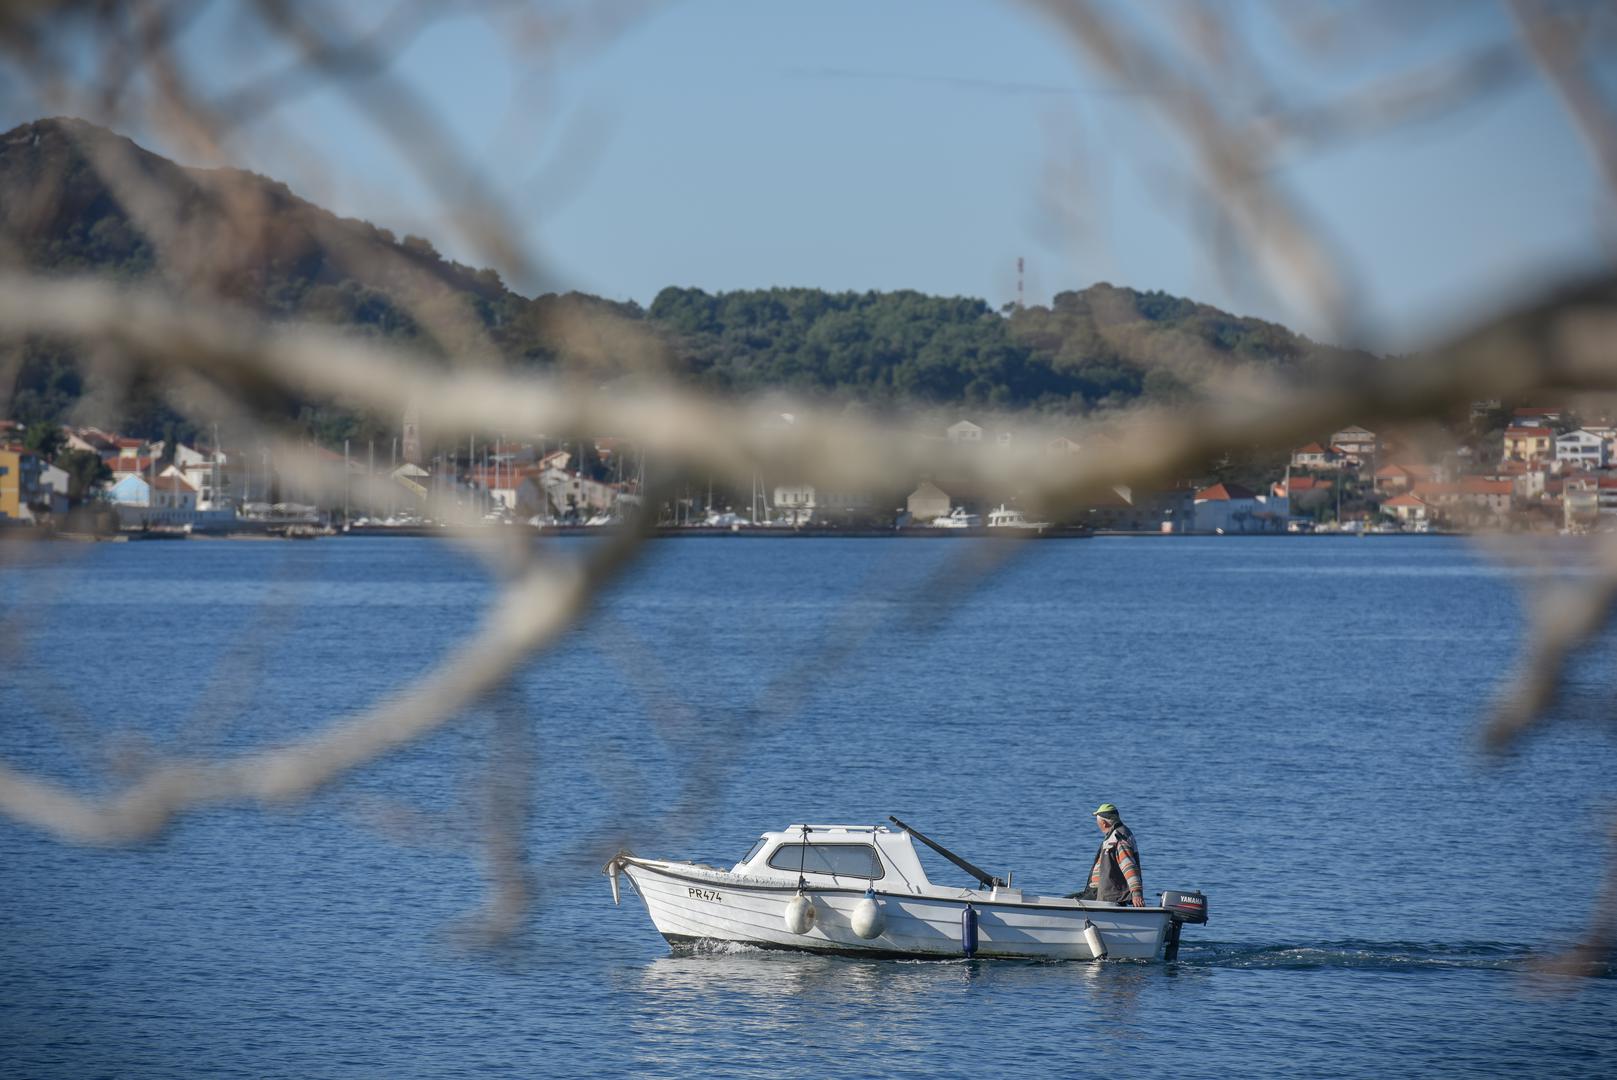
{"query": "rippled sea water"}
(1288, 724)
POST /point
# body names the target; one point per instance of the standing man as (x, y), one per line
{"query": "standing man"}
(1115, 877)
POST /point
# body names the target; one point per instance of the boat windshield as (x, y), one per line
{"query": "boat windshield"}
(756, 848)
(837, 860)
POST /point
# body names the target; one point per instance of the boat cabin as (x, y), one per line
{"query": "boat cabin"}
(838, 856)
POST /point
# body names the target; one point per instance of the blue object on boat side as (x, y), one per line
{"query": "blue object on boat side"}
(968, 931)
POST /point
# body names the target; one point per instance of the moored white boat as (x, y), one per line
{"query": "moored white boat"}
(1005, 518)
(958, 518)
(861, 890)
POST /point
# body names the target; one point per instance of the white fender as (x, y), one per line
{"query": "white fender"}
(800, 914)
(1097, 946)
(867, 918)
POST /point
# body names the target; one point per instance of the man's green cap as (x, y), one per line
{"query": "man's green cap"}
(1105, 808)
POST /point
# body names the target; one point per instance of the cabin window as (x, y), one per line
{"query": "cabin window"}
(839, 860)
(756, 848)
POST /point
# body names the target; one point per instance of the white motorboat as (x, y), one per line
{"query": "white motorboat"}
(1013, 519)
(861, 890)
(958, 518)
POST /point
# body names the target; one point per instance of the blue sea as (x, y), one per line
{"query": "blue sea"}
(1288, 724)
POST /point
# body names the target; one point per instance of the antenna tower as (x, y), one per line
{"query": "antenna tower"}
(1019, 304)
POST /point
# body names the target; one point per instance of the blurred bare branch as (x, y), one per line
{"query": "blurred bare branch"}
(1557, 45)
(1234, 120)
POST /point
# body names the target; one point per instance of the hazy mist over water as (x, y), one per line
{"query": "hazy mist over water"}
(1288, 724)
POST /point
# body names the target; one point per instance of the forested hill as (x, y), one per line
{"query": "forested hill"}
(253, 241)
(1101, 346)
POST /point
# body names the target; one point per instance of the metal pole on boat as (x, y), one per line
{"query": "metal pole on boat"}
(988, 880)
(802, 860)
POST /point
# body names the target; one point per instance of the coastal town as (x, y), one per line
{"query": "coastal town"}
(1538, 469)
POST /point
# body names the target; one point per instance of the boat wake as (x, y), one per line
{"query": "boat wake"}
(1368, 955)
(711, 947)
(1347, 955)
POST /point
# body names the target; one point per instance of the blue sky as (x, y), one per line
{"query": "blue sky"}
(891, 144)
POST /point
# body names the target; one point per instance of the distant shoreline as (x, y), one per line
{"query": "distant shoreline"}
(699, 533)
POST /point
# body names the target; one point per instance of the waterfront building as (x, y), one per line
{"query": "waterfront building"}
(1583, 448)
(1530, 444)
(1315, 456)
(1401, 477)
(1534, 416)
(1356, 443)
(1408, 509)
(54, 487)
(926, 502)
(19, 483)
(1231, 508)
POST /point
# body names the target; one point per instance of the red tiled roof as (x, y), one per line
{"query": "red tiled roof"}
(1481, 485)
(1311, 448)
(501, 478)
(1528, 432)
(1224, 493)
(1308, 483)
(1405, 500)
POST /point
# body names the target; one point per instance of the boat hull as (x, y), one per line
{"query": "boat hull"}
(691, 904)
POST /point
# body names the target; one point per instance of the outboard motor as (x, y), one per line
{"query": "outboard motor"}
(1183, 907)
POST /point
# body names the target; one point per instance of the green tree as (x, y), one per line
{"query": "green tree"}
(86, 472)
(44, 439)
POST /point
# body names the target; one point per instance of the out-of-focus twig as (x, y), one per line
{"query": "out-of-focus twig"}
(1556, 48)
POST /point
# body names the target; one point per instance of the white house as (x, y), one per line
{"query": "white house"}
(926, 502)
(167, 500)
(1231, 508)
(1315, 456)
(964, 431)
(188, 455)
(800, 504)
(54, 483)
(1355, 442)
(208, 474)
(1583, 448)
(795, 502)
(560, 493)
(1407, 508)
